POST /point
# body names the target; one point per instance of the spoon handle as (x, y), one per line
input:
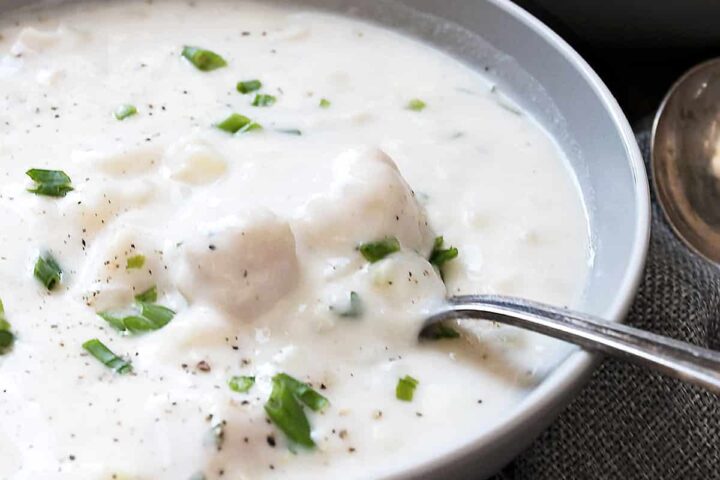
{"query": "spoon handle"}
(681, 360)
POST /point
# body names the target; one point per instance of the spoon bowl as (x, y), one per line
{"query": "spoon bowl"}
(686, 158)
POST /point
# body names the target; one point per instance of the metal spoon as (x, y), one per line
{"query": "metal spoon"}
(681, 360)
(686, 158)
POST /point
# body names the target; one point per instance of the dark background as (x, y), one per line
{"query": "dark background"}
(638, 47)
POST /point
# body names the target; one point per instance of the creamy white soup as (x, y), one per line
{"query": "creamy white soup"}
(220, 232)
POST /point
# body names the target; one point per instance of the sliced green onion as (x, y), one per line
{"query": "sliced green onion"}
(325, 103)
(47, 271)
(376, 251)
(6, 336)
(304, 392)
(151, 317)
(249, 86)
(440, 331)
(241, 384)
(287, 413)
(354, 309)
(136, 261)
(103, 354)
(157, 314)
(405, 389)
(125, 111)
(51, 183)
(237, 123)
(263, 100)
(416, 105)
(440, 255)
(117, 323)
(148, 296)
(204, 60)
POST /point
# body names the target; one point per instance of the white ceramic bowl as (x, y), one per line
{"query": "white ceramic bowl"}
(544, 75)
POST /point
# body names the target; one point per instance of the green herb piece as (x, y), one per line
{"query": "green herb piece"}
(440, 331)
(198, 476)
(6, 336)
(151, 317)
(249, 86)
(355, 307)
(204, 60)
(325, 103)
(285, 410)
(148, 296)
(136, 261)
(125, 111)
(237, 123)
(287, 413)
(158, 315)
(241, 384)
(117, 323)
(103, 354)
(416, 105)
(48, 271)
(440, 255)
(263, 100)
(376, 251)
(304, 392)
(51, 183)
(405, 389)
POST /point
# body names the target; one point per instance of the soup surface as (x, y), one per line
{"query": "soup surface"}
(222, 193)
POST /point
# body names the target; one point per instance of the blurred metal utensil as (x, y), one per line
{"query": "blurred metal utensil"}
(686, 158)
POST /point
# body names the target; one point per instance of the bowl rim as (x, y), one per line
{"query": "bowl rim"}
(557, 390)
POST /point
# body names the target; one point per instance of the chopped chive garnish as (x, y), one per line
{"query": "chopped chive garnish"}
(376, 251)
(405, 389)
(285, 409)
(6, 336)
(416, 105)
(304, 392)
(157, 314)
(440, 255)
(204, 60)
(118, 323)
(125, 111)
(48, 271)
(136, 261)
(290, 131)
(237, 123)
(354, 308)
(103, 354)
(148, 296)
(440, 332)
(51, 183)
(325, 103)
(241, 384)
(249, 86)
(150, 317)
(263, 100)
(287, 413)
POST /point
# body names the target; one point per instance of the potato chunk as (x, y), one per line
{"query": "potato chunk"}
(242, 263)
(368, 200)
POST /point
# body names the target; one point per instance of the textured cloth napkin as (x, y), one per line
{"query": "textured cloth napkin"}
(629, 423)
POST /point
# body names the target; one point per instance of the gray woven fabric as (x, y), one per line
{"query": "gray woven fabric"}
(629, 423)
